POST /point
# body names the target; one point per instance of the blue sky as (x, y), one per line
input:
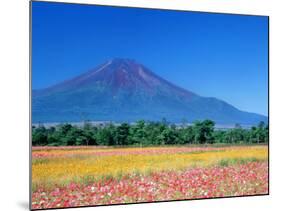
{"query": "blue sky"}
(214, 55)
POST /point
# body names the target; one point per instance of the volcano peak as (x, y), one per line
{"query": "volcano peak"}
(122, 89)
(123, 61)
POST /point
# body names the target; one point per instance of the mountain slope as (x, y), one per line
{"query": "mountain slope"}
(123, 90)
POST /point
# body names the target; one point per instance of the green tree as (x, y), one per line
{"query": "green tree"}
(138, 133)
(89, 132)
(122, 134)
(204, 131)
(186, 135)
(106, 135)
(39, 136)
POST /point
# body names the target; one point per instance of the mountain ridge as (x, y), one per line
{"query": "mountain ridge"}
(125, 90)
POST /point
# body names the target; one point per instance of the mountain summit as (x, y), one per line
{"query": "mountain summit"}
(118, 75)
(124, 90)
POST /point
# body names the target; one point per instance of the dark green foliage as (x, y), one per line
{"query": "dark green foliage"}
(89, 132)
(106, 135)
(121, 136)
(144, 133)
(39, 136)
(204, 131)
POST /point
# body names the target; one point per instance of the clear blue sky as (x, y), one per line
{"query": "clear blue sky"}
(215, 55)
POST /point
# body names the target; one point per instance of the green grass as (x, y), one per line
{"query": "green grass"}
(228, 162)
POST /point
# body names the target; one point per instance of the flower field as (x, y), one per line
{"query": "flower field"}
(81, 176)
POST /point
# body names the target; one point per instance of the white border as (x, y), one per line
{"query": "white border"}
(14, 17)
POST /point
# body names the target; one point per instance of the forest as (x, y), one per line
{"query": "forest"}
(145, 133)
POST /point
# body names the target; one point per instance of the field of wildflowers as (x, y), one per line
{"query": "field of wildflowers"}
(81, 176)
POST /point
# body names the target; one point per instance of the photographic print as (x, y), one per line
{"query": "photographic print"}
(133, 105)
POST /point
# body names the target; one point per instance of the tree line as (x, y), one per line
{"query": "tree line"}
(144, 133)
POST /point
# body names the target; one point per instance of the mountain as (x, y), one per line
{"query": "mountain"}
(124, 90)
